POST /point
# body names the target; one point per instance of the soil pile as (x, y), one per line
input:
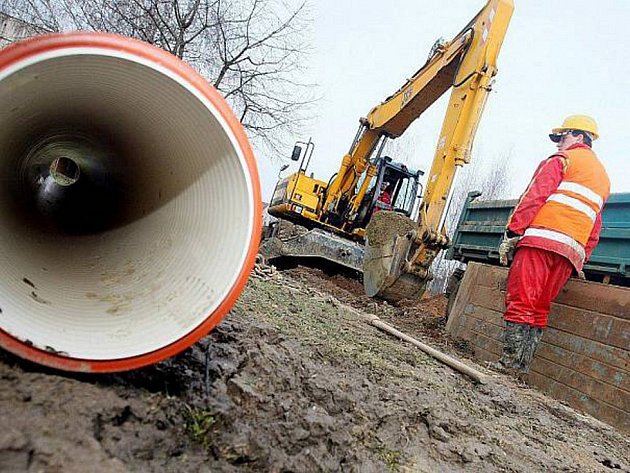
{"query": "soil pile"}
(294, 381)
(385, 225)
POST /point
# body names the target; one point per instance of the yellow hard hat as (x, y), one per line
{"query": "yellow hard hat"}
(578, 122)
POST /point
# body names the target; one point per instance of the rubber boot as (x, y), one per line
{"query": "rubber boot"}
(514, 338)
(529, 350)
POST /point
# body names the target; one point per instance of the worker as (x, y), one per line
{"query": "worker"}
(552, 232)
(384, 199)
(385, 195)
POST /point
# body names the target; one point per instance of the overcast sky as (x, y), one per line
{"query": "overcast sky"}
(558, 58)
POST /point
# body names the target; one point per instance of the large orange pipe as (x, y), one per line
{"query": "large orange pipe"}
(155, 291)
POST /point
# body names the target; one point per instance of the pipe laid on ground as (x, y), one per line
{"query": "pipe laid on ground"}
(446, 359)
(130, 203)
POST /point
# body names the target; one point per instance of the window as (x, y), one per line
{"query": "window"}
(404, 195)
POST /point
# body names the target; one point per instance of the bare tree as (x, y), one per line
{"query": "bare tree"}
(252, 51)
(403, 149)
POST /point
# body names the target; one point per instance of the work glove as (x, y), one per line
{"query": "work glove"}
(507, 246)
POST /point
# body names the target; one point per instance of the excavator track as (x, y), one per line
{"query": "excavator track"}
(292, 242)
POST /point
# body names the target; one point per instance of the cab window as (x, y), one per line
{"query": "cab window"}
(404, 194)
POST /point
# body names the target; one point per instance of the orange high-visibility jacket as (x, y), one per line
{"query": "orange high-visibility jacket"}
(561, 209)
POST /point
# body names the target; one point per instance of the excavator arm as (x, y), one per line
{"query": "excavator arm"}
(399, 268)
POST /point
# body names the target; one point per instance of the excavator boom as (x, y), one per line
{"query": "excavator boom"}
(398, 267)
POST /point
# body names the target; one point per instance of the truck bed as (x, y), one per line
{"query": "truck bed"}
(482, 223)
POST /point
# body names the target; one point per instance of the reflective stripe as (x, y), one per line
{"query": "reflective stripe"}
(576, 204)
(582, 191)
(556, 236)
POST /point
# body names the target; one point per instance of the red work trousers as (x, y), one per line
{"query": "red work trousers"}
(535, 279)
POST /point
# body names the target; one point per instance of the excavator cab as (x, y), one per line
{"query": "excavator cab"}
(394, 188)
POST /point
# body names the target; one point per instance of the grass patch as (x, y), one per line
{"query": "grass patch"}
(331, 327)
(199, 422)
(391, 458)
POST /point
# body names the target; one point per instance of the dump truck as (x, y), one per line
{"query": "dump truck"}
(482, 224)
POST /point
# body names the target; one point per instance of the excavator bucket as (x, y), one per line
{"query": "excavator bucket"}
(388, 244)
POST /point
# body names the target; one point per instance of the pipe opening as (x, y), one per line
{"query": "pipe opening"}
(64, 171)
(67, 179)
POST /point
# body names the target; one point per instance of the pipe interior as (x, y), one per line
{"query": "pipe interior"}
(126, 206)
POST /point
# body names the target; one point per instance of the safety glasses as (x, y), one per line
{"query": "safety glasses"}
(557, 137)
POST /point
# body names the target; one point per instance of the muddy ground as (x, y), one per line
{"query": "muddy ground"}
(295, 381)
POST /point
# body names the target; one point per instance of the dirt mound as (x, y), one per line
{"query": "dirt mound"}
(294, 380)
(385, 225)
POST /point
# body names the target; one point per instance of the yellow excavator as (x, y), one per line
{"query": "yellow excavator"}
(388, 236)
